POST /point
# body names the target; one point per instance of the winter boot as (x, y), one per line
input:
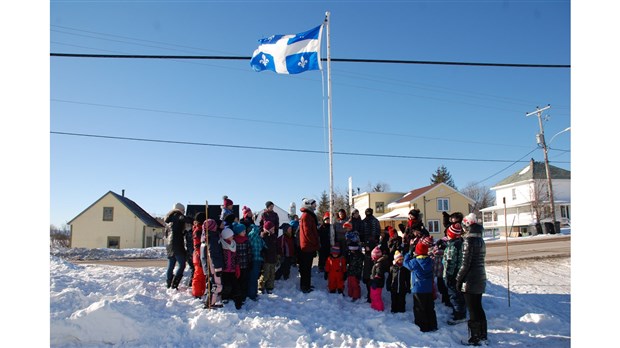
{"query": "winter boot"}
(483, 331)
(175, 282)
(168, 283)
(474, 329)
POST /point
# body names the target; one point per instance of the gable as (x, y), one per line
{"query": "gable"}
(535, 170)
(132, 206)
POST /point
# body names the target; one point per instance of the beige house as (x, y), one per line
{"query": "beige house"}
(115, 221)
(432, 200)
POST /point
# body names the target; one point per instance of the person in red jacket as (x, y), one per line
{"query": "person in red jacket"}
(335, 271)
(199, 281)
(308, 243)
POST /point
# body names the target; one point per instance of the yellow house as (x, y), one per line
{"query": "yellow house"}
(115, 221)
(432, 200)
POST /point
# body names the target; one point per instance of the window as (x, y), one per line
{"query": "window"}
(114, 242)
(514, 194)
(433, 226)
(565, 211)
(443, 204)
(108, 213)
(379, 207)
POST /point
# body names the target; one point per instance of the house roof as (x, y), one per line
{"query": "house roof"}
(132, 206)
(413, 194)
(535, 170)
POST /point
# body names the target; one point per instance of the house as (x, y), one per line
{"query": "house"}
(432, 200)
(115, 221)
(524, 198)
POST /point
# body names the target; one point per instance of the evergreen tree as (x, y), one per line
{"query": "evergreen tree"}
(323, 205)
(443, 175)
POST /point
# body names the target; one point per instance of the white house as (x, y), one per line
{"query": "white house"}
(527, 201)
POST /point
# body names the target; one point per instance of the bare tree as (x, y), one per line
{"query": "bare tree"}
(60, 237)
(539, 195)
(378, 187)
(481, 194)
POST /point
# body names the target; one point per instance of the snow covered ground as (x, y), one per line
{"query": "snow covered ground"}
(101, 306)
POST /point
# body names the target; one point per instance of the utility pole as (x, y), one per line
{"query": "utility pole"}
(540, 139)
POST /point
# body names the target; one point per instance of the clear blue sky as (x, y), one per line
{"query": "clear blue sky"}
(447, 115)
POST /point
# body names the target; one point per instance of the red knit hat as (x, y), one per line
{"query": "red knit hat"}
(227, 202)
(268, 225)
(376, 253)
(347, 225)
(326, 215)
(421, 248)
(454, 231)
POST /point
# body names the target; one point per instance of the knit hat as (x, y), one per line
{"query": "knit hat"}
(352, 237)
(397, 257)
(200, 217)
(179, 206)
(368, 211)
(470, 219)
(391, 231)
(335, 249)
(268, 225)
(326, 215)
(246, 212)
(353, 246)
(210, 225)
(421, 248)
(308, 202)
(227, 201)
(376, 253)
(268, 204)
(238, 228)
(454, 231)
(347, 225)
(227, 233)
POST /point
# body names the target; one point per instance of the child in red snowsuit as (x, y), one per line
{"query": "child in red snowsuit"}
(336, 271)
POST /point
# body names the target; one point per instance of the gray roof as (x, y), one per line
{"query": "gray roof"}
(539, 172)
(138, 211)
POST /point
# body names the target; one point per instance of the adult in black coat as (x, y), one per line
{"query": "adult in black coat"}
(176, 245)
(471, 279)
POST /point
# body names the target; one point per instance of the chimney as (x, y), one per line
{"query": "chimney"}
(123, 193)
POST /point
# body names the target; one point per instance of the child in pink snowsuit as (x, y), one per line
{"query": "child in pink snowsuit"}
(377, 279)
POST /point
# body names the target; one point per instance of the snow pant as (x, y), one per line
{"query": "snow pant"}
(265, 282)
(424, 315)
(253, 279)
(305, 267)
(199, 281)
(353, 287)
(244, 274)
(459, 311)
(376, 302)
(174, 278)
(443, 290)
(215, 296)
(399, 301)
(284, 271)
(477, 323)
(231, 289)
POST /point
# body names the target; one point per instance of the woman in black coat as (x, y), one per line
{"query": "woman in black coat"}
(471, 279)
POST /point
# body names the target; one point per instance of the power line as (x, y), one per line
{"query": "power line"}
(282, 149)
(344, 60)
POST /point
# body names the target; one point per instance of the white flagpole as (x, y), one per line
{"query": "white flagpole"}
(329, 122)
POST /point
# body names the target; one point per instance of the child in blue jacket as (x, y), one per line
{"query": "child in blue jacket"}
(421, 267)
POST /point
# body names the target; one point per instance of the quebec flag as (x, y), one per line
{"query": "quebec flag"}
(289, 54)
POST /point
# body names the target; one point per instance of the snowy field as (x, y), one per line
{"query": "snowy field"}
(102, 306)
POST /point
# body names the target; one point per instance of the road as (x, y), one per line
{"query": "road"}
(518, 249)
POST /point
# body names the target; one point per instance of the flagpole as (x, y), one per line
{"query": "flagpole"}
(329, 122)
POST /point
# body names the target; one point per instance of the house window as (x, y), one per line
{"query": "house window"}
(433, 226)
(443, 204)
(108, 213)
(565, 211)
(379, 207)
(114, 242)
(514, 194)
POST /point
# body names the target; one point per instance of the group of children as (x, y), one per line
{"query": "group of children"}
(238, 259)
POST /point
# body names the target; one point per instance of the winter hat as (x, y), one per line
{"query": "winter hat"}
(376, 253)
(200, 217)
(268, 204)
(335, 249)
(470, 219)
(421, 248)
(268, 225)
(397, 257)
(326, 215)
(352, 237)
(454, 231)
(428, 240)
(179, 206)
(227, 233)
(354, 246)
(238, 228)
(347, 225)
(246, 212)
(415, 213)
(294, 224)
(308, 202)
(227, 201)
(210, 225)
(391, 231)
(368, 211)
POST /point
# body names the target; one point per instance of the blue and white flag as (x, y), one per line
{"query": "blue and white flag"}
(289, 54)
